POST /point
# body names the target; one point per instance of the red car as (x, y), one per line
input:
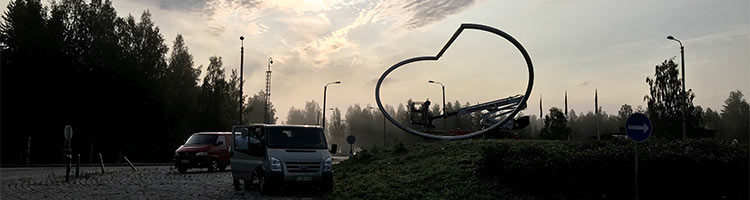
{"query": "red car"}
(204, 150)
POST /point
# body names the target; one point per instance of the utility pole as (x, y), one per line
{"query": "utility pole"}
(445, 123)
(325, 90)
(566, 103)
(596, 110)
(570, 136)
(541, 113)
(684, 93)
(242, 61)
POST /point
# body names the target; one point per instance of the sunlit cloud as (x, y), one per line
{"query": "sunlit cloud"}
(578, 46)
(237, 16)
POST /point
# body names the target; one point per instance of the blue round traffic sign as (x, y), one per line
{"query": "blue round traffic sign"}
(638, 127)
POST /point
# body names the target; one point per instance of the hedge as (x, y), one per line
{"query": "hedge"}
(691, 169)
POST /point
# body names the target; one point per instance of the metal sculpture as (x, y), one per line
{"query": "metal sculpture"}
(508, 106)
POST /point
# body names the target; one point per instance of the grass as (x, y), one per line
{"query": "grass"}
(429, 170)
(532, 169)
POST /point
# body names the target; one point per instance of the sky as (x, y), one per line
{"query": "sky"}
(577, 46)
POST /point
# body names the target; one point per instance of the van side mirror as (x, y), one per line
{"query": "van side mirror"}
(219, 143)
(334, 148)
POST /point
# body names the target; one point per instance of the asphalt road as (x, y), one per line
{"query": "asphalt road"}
(149, 182)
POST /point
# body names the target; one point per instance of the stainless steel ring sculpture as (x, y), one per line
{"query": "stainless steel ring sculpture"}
(435, 58)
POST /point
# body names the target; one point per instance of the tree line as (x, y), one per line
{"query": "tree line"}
(114, 79)
(127, 93)
(367, 124)
(664, 109)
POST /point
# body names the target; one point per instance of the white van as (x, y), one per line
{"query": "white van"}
(272, 156)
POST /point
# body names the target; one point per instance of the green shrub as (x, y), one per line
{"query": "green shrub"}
(529, 169)
(595, 169)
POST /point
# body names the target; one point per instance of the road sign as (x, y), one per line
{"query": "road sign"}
(638, 127)
(68, 132)
(351, 139)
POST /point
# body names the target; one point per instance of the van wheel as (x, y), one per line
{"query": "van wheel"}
(214, 166)
(182, 170)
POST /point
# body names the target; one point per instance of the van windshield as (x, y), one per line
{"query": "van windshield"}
(296, 138)
(201, 139)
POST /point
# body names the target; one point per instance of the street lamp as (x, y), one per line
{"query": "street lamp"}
(242, 61)
(684, 94)
(325, 89)
(317, 118)
(444, 116)
(384, 140)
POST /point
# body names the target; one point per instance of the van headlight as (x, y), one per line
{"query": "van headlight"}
(327, 165)
(202, 153)
(275, 164)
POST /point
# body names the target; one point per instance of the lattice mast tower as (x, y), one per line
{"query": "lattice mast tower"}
(268, 91)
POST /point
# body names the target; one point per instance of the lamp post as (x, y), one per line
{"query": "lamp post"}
(444, 116)
(242, 61)
(684, 94)
(384, 140)
(317, 118)
(325, 90)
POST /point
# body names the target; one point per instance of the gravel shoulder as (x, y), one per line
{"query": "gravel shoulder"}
(154, 182)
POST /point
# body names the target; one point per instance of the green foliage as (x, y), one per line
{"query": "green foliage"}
(255, 109)
(218, 106)
(555, 126)
(399, 148)
(310, 115)
(336, 128)
(712, 120)
(593, 169)
(624, 113)
(736, 117)
(429, 170)
(528, 169)
(666, 101)
(103, 71)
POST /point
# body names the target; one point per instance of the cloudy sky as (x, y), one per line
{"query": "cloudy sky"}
(576, 45)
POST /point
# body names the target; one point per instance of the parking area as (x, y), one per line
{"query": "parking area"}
(154, 182)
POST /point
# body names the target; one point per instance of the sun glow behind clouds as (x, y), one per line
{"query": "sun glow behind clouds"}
(315, 41)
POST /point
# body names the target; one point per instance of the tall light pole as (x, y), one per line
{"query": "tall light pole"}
(267, 119)
(317, 118)
(444, 116)
(242, 61)
(384, 140)
(325, 90)
(684, 93)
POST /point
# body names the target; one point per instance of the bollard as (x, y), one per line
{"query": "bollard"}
(131, 164)
(91, 154)
(28, 151)
(101, 160)
(78, 164)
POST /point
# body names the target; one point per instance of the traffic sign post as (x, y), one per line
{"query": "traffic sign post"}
(638, 128)
(350, 139)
